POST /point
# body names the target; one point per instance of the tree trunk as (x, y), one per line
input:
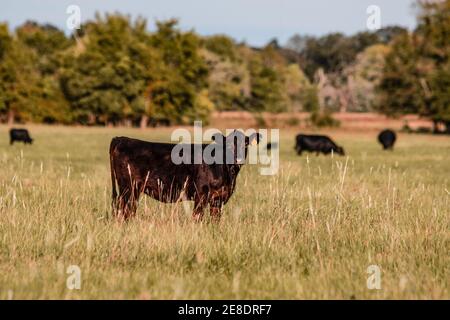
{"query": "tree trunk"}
(144, 121)
(127, 123)
(10, 117)
(343, 102)
(436, 129)
(91, 119)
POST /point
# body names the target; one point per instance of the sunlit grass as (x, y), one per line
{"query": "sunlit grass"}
(309, 232)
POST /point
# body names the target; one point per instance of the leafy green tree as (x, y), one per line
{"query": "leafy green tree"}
(433, 34)
(440, 103)
(400, 88)
(7, 74)
(310, 99)
(179, 94)
(5, 39)
(107, 80)
(221, 45)
(416, 73)
(46, 39)
(180, 50)
(389, 33)
(335, 51)
(362, 78)
(266, 85)
(228, 81)
(20, 81)
(45, 43)
(301, 94)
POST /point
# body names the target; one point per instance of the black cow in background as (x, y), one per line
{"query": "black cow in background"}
(19, 135)
(317, 143)
(387, 139)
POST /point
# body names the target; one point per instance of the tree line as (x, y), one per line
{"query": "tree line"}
(114, 71)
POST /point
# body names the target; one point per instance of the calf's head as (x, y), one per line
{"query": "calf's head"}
(235, 145)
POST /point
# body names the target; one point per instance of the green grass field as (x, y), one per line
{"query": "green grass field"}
(309, 232)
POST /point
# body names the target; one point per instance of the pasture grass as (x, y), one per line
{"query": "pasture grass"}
(311, 231)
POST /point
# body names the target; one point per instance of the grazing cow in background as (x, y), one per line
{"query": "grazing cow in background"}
(19, 135)
(316, 143)
(387, 139)
(147, 167)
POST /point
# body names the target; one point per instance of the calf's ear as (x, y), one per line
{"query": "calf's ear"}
(218, 137)
(254, 139)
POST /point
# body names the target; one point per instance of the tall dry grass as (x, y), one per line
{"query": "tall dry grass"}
(309, 232)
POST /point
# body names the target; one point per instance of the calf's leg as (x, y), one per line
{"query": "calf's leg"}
(127, 200)
(199, 206)
(215, 209)
(216, 213)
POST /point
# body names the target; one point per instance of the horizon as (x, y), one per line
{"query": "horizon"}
(279, 20)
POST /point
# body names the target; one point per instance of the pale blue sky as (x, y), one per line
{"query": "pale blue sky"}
(255, 21)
